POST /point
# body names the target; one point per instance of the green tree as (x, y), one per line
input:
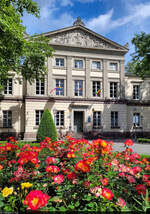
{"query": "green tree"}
(47, 127)
(18, 52)
(140, 63)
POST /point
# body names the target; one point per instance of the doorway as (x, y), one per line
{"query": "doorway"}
(78, 121)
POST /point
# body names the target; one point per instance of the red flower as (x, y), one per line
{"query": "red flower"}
(107, 193)
(70, 155)
(82, 166)
(136, 169)
(36, 199)
(71, 176)
(52, 169)
(50, 160)
(58, 179)
(141, 189)
(145, 178)
(104, 181)
(128, 142)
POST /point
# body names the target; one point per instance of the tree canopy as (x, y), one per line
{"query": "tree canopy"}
(18, 52)
(140, 63)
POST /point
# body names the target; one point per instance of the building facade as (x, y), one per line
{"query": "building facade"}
(86, 89)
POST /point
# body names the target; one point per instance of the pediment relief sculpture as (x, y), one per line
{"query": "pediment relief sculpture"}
(80, 38)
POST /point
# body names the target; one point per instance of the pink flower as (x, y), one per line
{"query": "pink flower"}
(58, 179)
(50, 160)
(128, 142)
(121, 202)
(131, 179)
(136, 169)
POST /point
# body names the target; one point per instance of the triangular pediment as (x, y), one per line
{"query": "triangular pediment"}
(79, 36)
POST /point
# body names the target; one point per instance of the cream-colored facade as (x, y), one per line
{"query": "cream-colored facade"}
(86, 89)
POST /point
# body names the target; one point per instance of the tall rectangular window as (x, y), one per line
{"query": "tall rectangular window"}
(136, 119)
(78, 88)
(7, 119)
(59, 87)
(96, 119)
(114, 119)
(38, 116)
(136, 92)
(113, 66)
(59, 62)
(59, 118)
(96, 89)
(96, 65)
(78, 63)
(113, 89)
(40, 86)
(7, 86)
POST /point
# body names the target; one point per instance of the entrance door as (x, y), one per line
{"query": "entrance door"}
(78, 121)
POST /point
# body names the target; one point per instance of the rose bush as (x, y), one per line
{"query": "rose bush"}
(73, 175)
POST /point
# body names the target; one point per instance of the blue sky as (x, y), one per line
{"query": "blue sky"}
(118, 20)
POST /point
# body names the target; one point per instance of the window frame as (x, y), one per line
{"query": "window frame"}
(77, 63)
(138, 118)
(60, 60)
(8, 122)
(59, 118)
(97, 120)
(39, 112)
(96, 88)
(78, 88)
(96, 68)
(8, 86)
(136, 93)
(112, 69)
(113, 92)
(61, 83)
(114, 119)
(40, 86)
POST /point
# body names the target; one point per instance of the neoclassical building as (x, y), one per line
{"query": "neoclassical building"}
(86, 89)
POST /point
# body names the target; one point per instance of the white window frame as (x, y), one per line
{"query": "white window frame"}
(114, 119)
(96, 85)
(60, 83)
(78, 63)
(113, 90)
(8, 86)
(96, 119)
(7, 119)
(40, 86)
(136, 119)
(113, 66)
(59, 118)
(78, 88)
(59, 62)
(136, 92)
(38, 116)
(96, 65)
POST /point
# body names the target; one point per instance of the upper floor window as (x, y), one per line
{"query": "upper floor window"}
(40, 86)
(38, 116)
(113, 89)
(7, 86)
(96, 65)
(136, 119)
(136, 92)
(114, 119)
(78, 63)
(113, 66)
(78, 89)
(59, 118)
(59, 87)
(96, 119)
(7, 119)
(96, 89)
(59, 62)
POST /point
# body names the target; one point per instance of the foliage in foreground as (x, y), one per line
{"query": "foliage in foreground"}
(47, 127)
(73, 175)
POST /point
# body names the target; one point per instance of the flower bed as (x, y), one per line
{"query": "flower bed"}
(73, 175)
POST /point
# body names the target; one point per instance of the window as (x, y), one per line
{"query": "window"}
(60, 87)
(114, 119)
(78, 63)
(113, 66)
(96, 89)
(40, 86)
(136, 119)
(59, 62)
(78, 88)
(7, 119)
(8, 86)
(113, 89)
(136, 92)
(96, 65)
(38, 116)
(59, 118)
(96, 119)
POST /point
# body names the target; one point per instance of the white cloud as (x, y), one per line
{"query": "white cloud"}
(66, 3)
(86, 1)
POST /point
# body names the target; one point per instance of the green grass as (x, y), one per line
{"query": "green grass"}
(22, 143)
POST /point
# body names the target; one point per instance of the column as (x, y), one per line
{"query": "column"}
(49, 76)
(105, 79)
(87, 79)
(69, 77)
(122, 82)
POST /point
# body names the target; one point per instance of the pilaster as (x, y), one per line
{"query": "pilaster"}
(105, 79)
(69, 86)
(87, 79)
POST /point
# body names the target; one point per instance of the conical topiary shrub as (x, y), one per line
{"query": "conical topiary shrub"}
(47, 127)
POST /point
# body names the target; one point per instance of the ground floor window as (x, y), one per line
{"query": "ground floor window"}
(114, 119)
(96, 119)
(7, 119)
(59, 118)
(136, 119)
(38, 116)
